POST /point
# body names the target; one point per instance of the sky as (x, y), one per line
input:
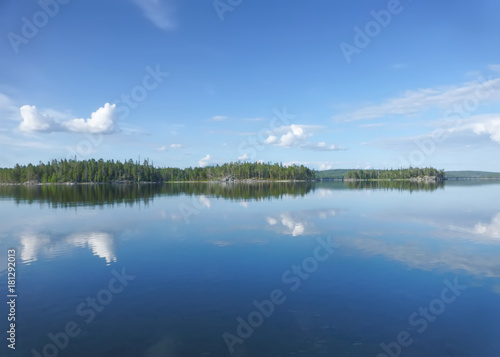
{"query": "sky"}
(328, 84)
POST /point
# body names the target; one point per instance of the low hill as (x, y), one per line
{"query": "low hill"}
(338, 174)
(472, 174)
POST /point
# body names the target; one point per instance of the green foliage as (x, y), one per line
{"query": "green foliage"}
(399, 174)
(336, 174)
(92, 171)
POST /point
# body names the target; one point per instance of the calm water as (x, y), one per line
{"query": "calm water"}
(269, 270)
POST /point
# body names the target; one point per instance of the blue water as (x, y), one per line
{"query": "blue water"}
(336, 271)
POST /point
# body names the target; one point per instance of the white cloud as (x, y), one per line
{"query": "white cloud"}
(204, 161)
(159, 12)
(415, 101)
(102, 121)
(218, 118)
(324, 166)
(243, 157)
(271, 139)
(484, 124)
(296, 135)
(292, 135)
(322, 146)
(35, 121)
(161, 148)
(272, 221)
(291, 163)
(175, 146)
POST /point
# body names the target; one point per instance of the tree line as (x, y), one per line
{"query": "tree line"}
(392, 174)
(100, 171)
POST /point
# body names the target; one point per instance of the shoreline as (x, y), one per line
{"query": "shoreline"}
(246, 181)
(249, 181)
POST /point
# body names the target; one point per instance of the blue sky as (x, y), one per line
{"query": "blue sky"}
(364, 84)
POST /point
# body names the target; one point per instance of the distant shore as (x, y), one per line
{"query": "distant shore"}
(420, 179)
(247, 181)
(424, 179)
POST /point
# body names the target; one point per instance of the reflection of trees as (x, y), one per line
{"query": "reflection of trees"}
(402, 185)
(110, 194)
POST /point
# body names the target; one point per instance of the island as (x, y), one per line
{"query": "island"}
(92, 171)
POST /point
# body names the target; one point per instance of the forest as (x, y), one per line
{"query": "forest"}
(100, 171)
(399, 174)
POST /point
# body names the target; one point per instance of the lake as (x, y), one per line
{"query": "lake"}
(278, 269)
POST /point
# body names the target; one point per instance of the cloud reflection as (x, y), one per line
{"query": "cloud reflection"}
(298, 224)
(423, 256)
(474, 249)
(34, 245)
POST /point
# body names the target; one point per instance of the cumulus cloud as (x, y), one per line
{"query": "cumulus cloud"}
(204, 161)
(296, 135)
(292, 135)
(159, 12)
(486, 125)
(175, 146)
(33, 120)
(102, 121)
(161, 148)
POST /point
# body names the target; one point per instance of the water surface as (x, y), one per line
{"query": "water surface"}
(337, 269)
